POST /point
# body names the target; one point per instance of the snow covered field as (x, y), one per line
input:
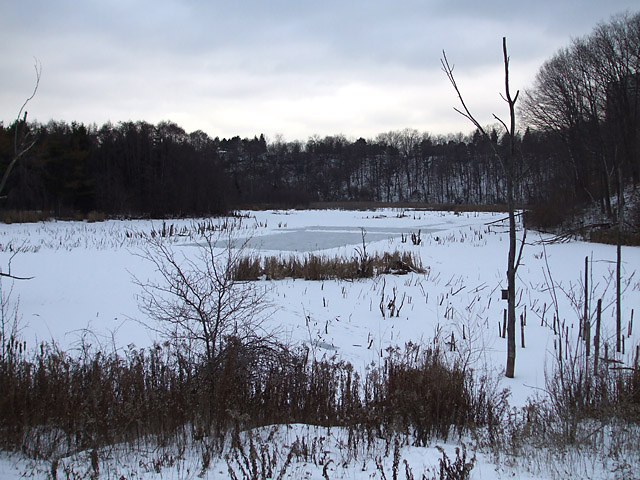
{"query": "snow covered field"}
(82, 290)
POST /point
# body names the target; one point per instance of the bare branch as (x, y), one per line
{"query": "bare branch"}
(21, 145)
(448, 70)
(506, 129)
(198, 302)
(14, 277)
(524, 237)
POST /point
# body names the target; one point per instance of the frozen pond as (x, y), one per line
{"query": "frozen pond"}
(309, 239)
(83, 287)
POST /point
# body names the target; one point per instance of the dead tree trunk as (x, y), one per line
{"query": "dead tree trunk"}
(619, 260)
(507, 163)
(22, 142)
(512, 266)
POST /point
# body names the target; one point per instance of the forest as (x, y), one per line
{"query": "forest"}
(578, 142)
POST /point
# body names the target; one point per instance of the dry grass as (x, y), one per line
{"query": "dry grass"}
(53, 402)
(320, 267)
(436, 207)
(610, 237)
(23, 216)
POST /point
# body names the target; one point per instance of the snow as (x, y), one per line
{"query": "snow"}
(82, 288)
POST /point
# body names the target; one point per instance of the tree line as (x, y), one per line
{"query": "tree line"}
(578, 143)
(136, 168)
(588, 97)
(128, 169)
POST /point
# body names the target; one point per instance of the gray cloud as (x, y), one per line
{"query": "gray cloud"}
(282, 66)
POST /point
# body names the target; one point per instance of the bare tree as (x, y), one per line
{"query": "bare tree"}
(588, 94)
(507, 162)
(23, 139)
(198, 303)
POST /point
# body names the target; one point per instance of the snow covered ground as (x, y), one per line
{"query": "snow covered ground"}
(82, 289)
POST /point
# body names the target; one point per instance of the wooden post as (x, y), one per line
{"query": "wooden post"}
(560, 350)
(586, 294)
(587, 336)
(504, 324)
(522, 330)
(596, 343)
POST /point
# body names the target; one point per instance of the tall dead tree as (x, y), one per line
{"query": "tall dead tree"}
(619, 260)
(507, 163)
(23, 140)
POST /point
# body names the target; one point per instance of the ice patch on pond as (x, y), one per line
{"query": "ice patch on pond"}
(324, 345)
(315, 238)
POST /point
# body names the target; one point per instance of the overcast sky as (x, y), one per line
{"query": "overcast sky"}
(290, 67)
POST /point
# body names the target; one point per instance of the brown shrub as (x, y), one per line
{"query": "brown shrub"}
(321, 267)
(53, 402)
(23, 216)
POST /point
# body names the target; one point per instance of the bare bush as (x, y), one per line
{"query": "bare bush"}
(201, 305)
(9, 320)
(458, 469)
(419, 392)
